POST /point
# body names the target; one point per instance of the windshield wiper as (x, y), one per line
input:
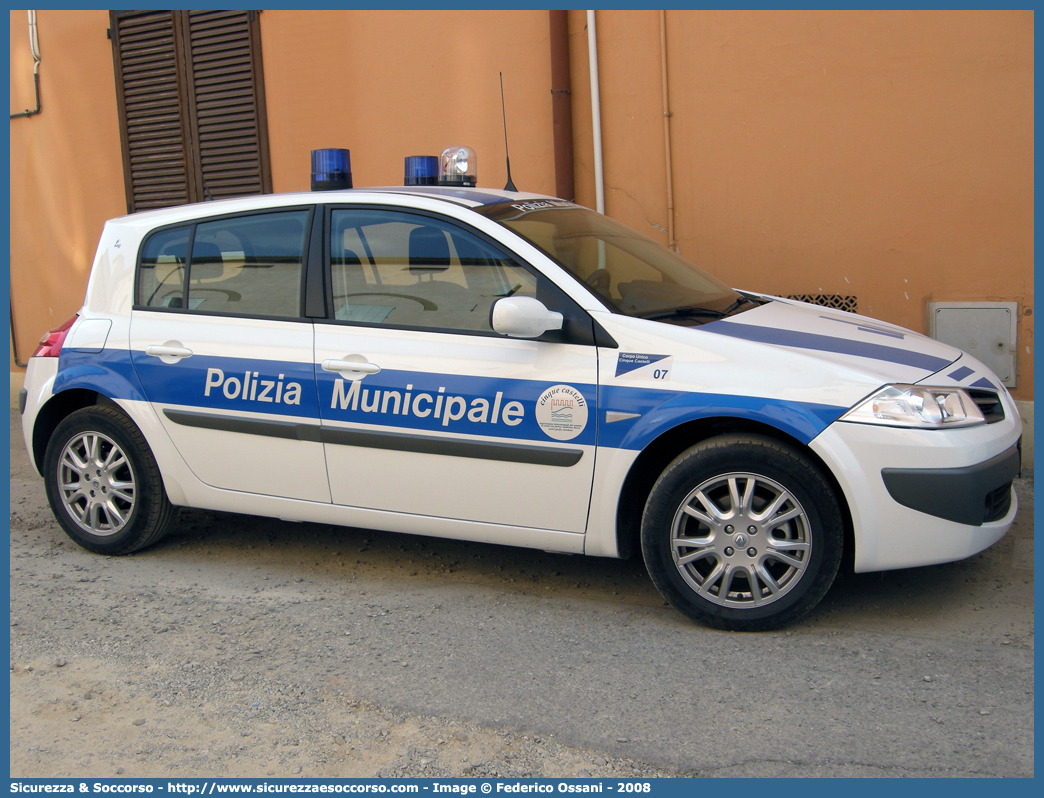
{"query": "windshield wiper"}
(690, 311)
(695, 311)
(738, 303)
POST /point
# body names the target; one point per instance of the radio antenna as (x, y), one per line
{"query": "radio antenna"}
(503, 110)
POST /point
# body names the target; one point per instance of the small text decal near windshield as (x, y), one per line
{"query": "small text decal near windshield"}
(542, 205)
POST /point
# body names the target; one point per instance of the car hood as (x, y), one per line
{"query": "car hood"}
(781, 350)
(886, 351)
(791, 365)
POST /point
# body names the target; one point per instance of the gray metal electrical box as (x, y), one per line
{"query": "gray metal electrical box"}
(985, 330)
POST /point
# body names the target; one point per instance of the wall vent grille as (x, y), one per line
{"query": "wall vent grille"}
(836, 301)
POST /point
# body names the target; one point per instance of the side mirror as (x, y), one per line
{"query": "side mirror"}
(523, 317)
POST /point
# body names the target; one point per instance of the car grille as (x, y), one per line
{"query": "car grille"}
(998, 502)
(989, 404)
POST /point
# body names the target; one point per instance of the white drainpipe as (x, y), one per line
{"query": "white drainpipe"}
(596, 112)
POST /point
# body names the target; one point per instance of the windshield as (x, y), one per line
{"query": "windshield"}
(629, 273)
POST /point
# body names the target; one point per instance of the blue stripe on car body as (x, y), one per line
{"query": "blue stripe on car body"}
(662, 410)
(434, 391)
(108, 372)
(826, 343)
(468, 194)
(318, 397)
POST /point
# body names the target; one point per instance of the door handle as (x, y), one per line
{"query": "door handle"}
(350, 366)
(166, 351)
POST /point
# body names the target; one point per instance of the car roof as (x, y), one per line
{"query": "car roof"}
(467, 197)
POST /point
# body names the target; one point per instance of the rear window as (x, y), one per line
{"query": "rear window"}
(245, 265)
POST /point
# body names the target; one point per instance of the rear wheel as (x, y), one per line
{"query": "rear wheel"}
(103, 484)
(742, 532)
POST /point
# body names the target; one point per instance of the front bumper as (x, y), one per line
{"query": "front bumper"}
(919, 497)
(971, 495)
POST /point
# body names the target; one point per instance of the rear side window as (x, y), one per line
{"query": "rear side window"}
(246, 265)
(161, 276)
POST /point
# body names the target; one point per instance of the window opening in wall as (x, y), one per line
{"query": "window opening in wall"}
(190, 97)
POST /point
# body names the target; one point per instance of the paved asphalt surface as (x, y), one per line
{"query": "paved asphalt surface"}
(923, 672)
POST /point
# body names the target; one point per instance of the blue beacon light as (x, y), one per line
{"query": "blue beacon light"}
(421, 170)
(331, 169)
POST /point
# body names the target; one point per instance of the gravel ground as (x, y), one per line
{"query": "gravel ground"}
(252, 647)
(199, 658)
(114, 675)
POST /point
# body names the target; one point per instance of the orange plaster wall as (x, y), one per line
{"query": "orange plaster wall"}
(66, 166)
(883, 154)
(387, 84)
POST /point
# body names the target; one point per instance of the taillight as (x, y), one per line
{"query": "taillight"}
(51, 343)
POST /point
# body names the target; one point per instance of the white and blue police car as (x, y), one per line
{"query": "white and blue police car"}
(510, 368)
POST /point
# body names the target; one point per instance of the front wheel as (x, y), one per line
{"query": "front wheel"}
(742, 532)
(103, 484)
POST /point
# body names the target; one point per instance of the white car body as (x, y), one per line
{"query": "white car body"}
(327, 450)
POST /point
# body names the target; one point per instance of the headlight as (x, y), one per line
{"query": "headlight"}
(917, 406)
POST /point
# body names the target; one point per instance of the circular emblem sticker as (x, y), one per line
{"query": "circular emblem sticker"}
(561, 412)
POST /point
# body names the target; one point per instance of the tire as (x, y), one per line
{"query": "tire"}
(103, 484)
(742, 532)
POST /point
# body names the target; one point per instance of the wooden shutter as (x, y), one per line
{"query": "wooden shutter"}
(151, 104)
(190, 95)
(227, 112)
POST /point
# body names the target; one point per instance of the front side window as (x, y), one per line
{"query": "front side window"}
(245, 265)
(629, 273)
(409, 270)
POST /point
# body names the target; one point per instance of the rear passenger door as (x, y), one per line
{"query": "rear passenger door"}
(224, 353)
(425, 409)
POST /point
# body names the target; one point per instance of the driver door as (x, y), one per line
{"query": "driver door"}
(425, 409)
